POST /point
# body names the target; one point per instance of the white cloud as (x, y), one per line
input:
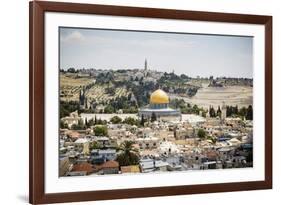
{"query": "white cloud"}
(74, 36)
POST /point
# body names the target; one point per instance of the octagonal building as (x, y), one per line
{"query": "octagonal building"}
(159, 104)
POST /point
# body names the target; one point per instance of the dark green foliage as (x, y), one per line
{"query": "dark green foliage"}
(110, 91)
(131, 121)
(219, 112)
(95, 145)
(192, 91)
(249, 115)
(100, 130)
(242, 111)
(100, 122)
(121, 103)
(109, 109)
(204, 113)
(201, 134)
(115, 120)
(129, 155)
(184, 107)
(213, 139)
(142, 121)
(153, 117)
(63, 125)
(178, 103)
(212, 112)
(104, 78)
(68, 107)
(196, 109)
(79, 126)
(90, 123)
(233, 111)
(71, 70)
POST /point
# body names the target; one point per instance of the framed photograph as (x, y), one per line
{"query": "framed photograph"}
(132, 102)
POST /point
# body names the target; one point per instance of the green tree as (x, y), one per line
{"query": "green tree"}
(219, 112)
(71, 70)
(249, 115)
(212, 112)
(235, 110)
(63, 125)
(101, 122)
(243, 112)
(129, 155)
(153, 117)
(86, 122)
(95, 145)
(100, 130)
(109, 109)
(95, 122)
(79, 126)
(116, 120)
(204, 113)
(131, 121)
(201, 134)
(142, 120)
(91, 122)
(67, 107)
(213, 139)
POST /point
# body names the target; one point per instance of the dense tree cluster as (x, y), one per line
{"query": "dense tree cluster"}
(127, 120)
(121, 103)
(142, 92)
(100, 130)
(79, 126)
(233, 111)
(115, 120)
(68, 107)
(131, 121)
(215, 113)
(129, 155)
(84, 125)
(186, 108)
(104, 78)
(63, 125)
(72, 70)
(139, 94)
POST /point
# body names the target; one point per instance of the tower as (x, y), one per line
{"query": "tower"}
(145, 65)
(145, 68)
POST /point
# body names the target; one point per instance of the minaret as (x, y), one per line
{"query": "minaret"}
(145, 65)
(145, 68)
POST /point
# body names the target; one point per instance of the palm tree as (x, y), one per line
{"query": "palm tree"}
(129, 155)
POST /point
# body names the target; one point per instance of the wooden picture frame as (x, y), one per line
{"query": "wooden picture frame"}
(37, 10)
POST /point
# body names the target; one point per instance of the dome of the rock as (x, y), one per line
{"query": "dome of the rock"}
(159, 106)
(159, 97)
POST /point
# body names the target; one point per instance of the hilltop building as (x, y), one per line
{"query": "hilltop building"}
(159, 105)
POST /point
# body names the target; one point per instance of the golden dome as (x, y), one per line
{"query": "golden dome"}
(159, 97)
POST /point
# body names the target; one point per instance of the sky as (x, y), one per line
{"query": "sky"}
(190, 54)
